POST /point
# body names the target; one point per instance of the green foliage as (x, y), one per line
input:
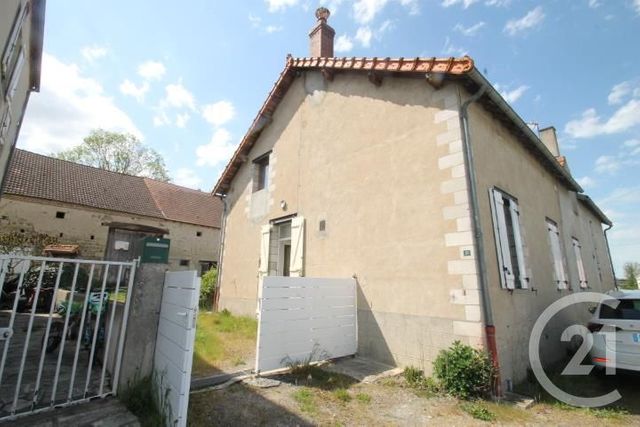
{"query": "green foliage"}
(140, 397)
(363, 398)
(415, 379)
(31, 242)
(342, 395)
(631, 273)
(117, 152)
(464, 371)
(304, 397)
(207, 288)
(478, 411)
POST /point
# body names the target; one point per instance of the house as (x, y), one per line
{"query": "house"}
(416, 177)
(21, 38)
(107, 213)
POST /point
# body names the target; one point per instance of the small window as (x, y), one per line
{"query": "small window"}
(199, 233)
(261, 173)
(509, 243)
(577, 250)
(560, 275)
(60, 215)
(322, 226)
(61, 234)
(206, 266)
(184, 263)
(92, 237)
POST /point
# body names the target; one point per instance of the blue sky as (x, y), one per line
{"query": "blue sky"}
(189, 79)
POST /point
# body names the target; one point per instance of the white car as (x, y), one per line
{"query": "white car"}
(622, 348)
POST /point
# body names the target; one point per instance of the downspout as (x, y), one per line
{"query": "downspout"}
(613, 271)
(478, 241)
(216, 298)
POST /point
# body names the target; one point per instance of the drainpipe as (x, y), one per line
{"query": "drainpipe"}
(478, 241)
(225, 208)
(613, 271)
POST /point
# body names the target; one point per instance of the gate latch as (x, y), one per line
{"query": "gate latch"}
(5, 333)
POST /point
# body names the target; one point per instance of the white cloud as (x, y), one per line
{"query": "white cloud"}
(634, 146)
(93, 53)
(161, 119)
(586, 182)
(594, 4)
(636, 6)
(182, 119)
(177, 96)
(279, 5)
(273, 28)
(451, 50)
(219, 150)
(532, 19)
(607, 164)
(498, 3)
(619, 92)
(363, 35)
(470, 31)
(387, 25)
(343, 44)
(129, 88)
(218, 113)
(151, 70)
(187, 178)
(628, 156)
(591, 125)
(255, 20)
(513, 95)
(464, 3)
(69, 105)
(365, 11)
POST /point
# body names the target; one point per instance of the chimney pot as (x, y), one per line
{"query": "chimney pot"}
(321, 35)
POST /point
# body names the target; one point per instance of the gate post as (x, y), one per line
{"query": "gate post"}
(142, 324)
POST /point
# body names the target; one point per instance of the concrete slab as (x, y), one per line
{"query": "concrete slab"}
(362, 369)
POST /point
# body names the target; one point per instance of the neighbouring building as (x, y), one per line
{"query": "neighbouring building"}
(416, 177)
(108, 213)
(21, 37)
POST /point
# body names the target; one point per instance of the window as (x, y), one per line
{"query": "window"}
(560, 275)
(627, 309)
(206, 266)
(198, 233)
(261, 173)
(60, 215)
(509, 243)
(13, 53)
(184, 263)
(582, 277)
(282, 248)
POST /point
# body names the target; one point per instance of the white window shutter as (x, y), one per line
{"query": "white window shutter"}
(12, 44)
(556, 252)
(263, 268)
(517, 236)
(581, 273)
(296, 266)
(502, 240)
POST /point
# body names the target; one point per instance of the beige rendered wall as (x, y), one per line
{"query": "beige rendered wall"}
(8, 10)
(383, 167)
(80, 224)
(500, 160)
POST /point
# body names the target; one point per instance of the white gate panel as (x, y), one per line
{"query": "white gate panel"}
(174, 347)
(305, 319)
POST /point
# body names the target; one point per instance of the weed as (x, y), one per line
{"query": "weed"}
(478, 411)
(424, 385)
(604, 413)
(342, 395)
(363, 398)
(140, 398)
(304, 397)
(237, 361)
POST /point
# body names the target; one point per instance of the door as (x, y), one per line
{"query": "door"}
(174, 347)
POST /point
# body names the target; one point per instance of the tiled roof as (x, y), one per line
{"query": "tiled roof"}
(42, 177)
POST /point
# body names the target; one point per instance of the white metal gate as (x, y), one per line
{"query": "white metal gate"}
(174, 347)
(62, 324)
(305, 319)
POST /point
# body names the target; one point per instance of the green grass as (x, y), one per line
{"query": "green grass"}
(305, 400)
(223, 341)
(139, 398)
(363, 398)
(342, 395)
(611, 413)
(478, 411)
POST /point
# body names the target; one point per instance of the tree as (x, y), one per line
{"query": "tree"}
(631, 273)
(117, 152)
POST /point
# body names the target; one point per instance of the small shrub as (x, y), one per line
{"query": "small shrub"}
(363, 398)
(342, 395)
(415, 379)
(478, 411)
(464, 371)
(208, 288)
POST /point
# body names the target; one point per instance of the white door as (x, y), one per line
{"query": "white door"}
(174, 348)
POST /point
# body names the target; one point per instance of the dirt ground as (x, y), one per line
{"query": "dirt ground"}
(334, 400)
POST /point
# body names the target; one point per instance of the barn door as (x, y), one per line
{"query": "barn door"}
(174, 348)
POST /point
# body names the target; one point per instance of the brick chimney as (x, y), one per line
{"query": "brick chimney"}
(321, 36)
(548, 137)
